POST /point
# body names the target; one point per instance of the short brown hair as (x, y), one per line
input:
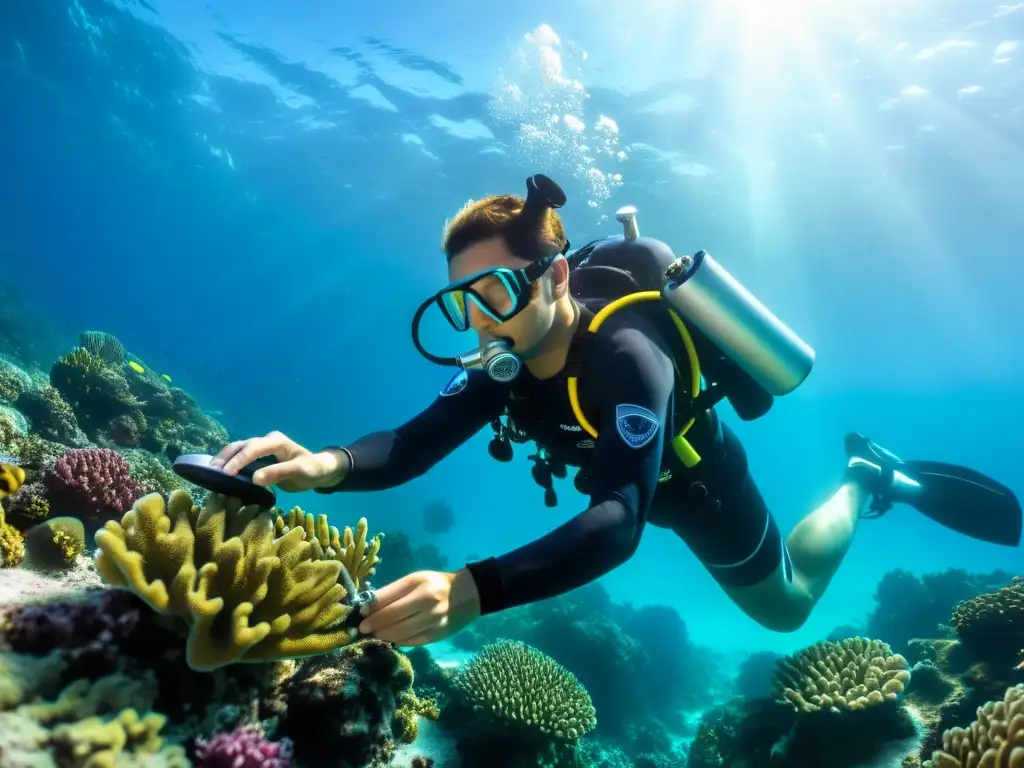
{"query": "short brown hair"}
(494, 216)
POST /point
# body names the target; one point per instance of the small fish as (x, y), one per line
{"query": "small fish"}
(136, 367)
(165, 376)
(11, 478)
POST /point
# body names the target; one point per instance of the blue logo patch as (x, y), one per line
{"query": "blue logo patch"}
(636, 426)
(456, 385)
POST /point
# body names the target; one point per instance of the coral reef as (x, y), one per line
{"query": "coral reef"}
(95, 482)
(349, 708)
(246, 594)
(638, 664)
(995, 738)
(245, 747)
(855, 674)
(909, 606)
(992, 624)
(55, 544)
(518, 683)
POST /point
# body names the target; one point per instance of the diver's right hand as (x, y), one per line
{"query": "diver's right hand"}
(298, 469)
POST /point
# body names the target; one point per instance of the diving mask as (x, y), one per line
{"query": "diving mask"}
(500, 293)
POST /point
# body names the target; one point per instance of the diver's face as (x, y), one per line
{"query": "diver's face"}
(528, 328)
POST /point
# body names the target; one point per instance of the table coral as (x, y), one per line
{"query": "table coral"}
(245, 594)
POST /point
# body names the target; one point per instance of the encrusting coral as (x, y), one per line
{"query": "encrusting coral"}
(245, 594)
(520, 684)
(994, 740)
(854, 674)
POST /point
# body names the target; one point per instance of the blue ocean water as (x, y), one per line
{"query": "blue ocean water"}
(250, 197)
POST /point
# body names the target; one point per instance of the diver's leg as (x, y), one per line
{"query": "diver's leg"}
(819, 542)
(729, 527)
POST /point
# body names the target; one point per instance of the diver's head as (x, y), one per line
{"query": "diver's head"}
(505, 239)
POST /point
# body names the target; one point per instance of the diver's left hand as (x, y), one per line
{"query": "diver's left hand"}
(423, 607)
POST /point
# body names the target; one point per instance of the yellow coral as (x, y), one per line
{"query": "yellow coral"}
(350, 548)
(519, 683)
(75, 728)
(994, 740)
(55, 543)
(246, 595)
(12, 543)
(854, 674)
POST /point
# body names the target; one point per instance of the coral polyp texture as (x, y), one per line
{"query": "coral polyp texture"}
(519, 684)
(94, 482)
(854, 674)
(246, 594)
(994, 740)
(994, 621)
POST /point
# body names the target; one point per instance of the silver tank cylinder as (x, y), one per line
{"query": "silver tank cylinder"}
(705, 294)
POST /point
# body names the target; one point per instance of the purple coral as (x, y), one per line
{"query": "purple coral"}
(96, 482)
(244, 747)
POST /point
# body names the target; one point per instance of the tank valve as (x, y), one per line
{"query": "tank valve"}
(626, 216)
(679, 267)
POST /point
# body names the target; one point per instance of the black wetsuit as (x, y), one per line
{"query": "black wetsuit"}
(627, 390)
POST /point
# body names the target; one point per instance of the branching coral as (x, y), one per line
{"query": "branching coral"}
(244, 747)
(854, 674)
(246, 595)
(520, 684)
(94, 482)
(994, 740)
(356, 555)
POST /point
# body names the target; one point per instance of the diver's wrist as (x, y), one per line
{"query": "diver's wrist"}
(336, 464)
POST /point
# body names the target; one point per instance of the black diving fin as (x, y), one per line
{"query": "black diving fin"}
(959, 498)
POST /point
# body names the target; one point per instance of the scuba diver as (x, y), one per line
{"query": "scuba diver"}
(613, 359)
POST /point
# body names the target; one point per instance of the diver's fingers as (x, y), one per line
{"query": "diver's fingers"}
(421, 639)
(400, 609)
(227, 452)
(396, 590)
(271, 444)
(285, 470)
(413, 626)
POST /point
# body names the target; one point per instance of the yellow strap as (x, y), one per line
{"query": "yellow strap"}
(680, 444)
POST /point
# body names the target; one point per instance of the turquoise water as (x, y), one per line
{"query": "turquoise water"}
(251, 199)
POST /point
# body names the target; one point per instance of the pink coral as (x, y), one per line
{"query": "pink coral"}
(244, 747)
(94, 482)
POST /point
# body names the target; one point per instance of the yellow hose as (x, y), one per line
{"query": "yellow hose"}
(682, 446)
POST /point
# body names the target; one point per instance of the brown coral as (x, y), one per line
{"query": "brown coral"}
(246, 594)
(994, 740)
(994, 621)
(854, 674)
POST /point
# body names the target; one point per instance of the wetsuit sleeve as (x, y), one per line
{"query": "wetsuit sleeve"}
(636, 381)
(387, 459)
